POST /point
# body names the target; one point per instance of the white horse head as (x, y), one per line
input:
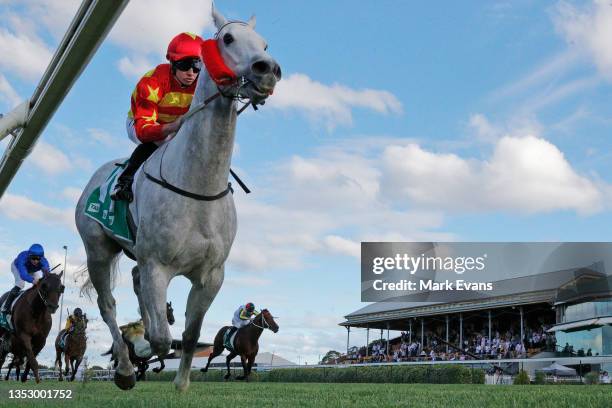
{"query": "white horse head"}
(245, 53)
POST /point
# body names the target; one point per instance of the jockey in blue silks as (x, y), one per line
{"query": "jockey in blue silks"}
(29, 266)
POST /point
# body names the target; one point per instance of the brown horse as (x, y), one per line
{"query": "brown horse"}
(74, 347)
(32, 322)
(141, 364)
(245, 344)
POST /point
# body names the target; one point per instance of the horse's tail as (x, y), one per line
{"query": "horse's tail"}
(87, 287)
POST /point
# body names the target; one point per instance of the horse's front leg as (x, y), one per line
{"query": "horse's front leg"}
(203, 291)
(162, 365)
(77, 363)
(141, 303)
(243, 360)
(153, 287)
(32, 363)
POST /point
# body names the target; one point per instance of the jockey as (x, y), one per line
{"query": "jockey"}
(29, 266)
(76, 315)
(158, 102)
(242, 317)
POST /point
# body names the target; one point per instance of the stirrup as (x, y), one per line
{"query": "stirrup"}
(123, 192)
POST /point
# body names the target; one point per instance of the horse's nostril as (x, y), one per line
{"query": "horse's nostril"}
(277, 72)
(260, 68)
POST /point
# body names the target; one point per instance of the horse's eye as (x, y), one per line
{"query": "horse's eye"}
(228, 39)
(62, 289)
(266, 47)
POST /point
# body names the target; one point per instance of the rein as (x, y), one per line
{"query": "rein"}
(265, 323)
(45, 301)
(234, 94)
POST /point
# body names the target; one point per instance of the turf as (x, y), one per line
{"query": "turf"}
(234, 394)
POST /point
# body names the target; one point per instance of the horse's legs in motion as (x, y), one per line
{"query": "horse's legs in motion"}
(244, 368)
(141, 304)
(32, 363)
(26, 371)
(204, 288)
(217, 350)
(77, 363)
(58, 363)
(161, 366)
(153, 287)
(99, 260)
(67, 361)
(228, 359)
(2, 358)
(250, 361)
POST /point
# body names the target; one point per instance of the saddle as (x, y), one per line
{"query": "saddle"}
(6, 320)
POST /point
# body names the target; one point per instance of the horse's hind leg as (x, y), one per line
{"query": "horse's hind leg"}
(159, 369)
(244, 368)
(228, 359)
(201, 295)
(58, 363)
(217, 350)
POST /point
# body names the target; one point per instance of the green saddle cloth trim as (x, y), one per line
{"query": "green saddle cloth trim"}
(4, 323)
(227, 340)
(110, 214)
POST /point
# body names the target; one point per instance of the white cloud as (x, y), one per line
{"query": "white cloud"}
(72, 193)
(8, 95)
(19, 207)
(590, 29)
(135, 66)
(330, 104)
(524, 174)
(29, 56)
(49, 159)
(343, 246)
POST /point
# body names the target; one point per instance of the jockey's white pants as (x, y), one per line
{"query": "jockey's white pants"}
(240, 323)
(20, 282)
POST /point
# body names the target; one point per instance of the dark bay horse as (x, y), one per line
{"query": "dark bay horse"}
(74, 347)
(245, 344)
(141, 364)
(32, 322)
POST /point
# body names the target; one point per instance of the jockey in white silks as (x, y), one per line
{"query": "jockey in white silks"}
(242, 317)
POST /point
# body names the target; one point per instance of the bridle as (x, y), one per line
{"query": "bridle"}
(231, 91)
(45, 301)
(264, 325)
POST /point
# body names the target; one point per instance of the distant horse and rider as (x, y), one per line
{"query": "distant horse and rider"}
(140, 353)
(179, 206)
(72, 343)
(29, 321)
(245, 343)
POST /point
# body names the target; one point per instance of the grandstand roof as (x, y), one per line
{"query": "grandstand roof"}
(540, 288)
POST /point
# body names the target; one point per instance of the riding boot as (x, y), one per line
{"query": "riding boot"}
(10, 298)
(123, 188)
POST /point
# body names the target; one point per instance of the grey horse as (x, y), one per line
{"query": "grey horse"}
(178, 234)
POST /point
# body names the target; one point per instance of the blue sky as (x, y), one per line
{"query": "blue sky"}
(394, 121)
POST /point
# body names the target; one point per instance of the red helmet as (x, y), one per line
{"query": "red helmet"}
(249, 307)
(184, 45)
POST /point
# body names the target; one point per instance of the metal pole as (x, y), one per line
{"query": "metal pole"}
(387, 341)
(367, 341)
(348, 336)
(446, 334)
(422, 333)
(489, 325)
(461, 330)
(64, 282)
(410, 331)
(522, 328)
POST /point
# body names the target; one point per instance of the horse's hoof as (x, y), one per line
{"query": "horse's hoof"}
(226, 377)
(60, 379)
(240, 378)
(125, 382)
(204, 370)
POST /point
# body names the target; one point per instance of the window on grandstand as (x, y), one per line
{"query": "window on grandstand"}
(586, 343)
(587, 310)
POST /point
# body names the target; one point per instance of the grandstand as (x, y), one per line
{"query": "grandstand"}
(565, 314)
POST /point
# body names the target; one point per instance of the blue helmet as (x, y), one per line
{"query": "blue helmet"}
(36, 250)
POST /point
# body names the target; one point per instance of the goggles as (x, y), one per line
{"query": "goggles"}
(35, 258)
(187, 64)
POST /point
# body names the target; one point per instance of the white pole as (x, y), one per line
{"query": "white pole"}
(64, 281)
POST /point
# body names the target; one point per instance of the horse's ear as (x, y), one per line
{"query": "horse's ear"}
(170, 304)
(60, 274)
(252, 21)
(218, 18)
